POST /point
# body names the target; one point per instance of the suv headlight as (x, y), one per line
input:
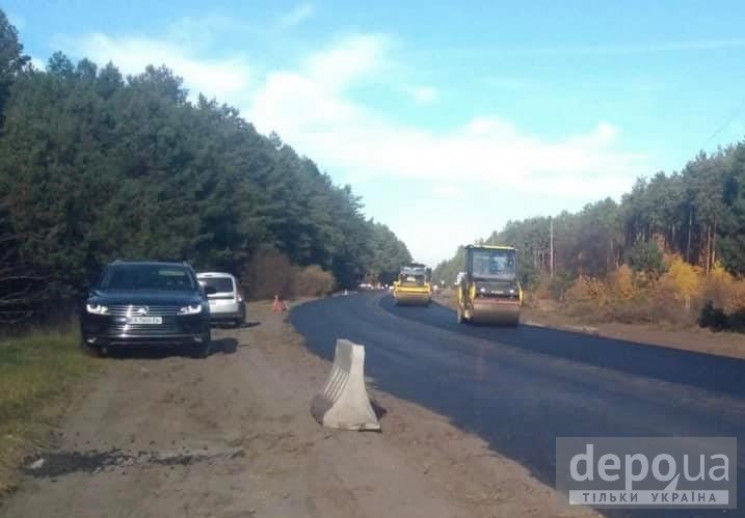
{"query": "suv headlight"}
(192, 309)
(96, 309)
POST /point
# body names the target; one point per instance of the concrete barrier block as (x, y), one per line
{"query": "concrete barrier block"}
(343, 402)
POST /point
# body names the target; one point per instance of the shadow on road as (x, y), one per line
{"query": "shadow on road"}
(379, 410)
(224, 346)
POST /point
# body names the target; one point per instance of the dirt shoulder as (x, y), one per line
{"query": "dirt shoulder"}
(232, 437)
(694, 339)
(42, 376)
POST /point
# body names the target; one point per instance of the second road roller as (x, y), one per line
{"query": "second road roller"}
(413, 286)
(489, 291)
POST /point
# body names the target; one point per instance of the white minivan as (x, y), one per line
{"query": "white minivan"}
(226, 303)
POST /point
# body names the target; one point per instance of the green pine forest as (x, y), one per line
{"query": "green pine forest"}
(697, 214)
(95, 166)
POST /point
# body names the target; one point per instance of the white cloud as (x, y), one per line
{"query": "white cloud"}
(447, 191)
(224, 78)
(297, 15)
(317, 116)
(471, 178)
(422, 94)
(311, 100)
(348, 61)
(203, 32)
(430, 241)
(37, 63)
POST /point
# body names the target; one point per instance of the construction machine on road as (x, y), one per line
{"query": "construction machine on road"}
(413, 286)
(489, 291)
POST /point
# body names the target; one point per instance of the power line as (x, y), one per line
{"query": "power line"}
(729, 120)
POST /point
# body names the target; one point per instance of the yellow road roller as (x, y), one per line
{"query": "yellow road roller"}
(489, 292)
(413, 286)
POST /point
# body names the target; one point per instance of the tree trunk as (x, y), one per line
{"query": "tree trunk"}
(714, 245)
(690, 224)
(705, 251)
(672, 237)
(708, 247)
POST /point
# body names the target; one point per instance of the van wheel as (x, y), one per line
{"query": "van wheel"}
(242, 318)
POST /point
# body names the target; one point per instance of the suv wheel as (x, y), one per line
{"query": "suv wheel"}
(202, 350)
(94, 351)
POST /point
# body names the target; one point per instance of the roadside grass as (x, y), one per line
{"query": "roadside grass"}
(38, 372)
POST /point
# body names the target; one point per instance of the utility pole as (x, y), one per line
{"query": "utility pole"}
(551, 246)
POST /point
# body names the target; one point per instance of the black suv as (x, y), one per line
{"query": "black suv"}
(148, 304)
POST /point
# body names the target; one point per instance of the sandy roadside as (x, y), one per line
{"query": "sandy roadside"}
(232, 437)
(694, 339)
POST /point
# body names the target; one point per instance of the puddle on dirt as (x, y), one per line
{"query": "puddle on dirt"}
(55, 464)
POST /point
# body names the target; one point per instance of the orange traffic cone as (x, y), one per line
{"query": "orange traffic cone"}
(276, 305)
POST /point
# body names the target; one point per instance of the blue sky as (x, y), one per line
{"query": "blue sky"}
(448, 119)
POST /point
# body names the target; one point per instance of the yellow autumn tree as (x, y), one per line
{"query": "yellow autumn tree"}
(622, 283)
(588, 289)
(736, 300)
(719, 287)
(718, 272)
(683, 280)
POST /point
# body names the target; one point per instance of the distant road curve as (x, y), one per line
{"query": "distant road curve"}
(520, 388)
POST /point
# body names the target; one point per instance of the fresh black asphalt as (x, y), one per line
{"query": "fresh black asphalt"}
(520, 388)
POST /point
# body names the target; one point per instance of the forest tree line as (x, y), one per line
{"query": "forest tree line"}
(696, 215)
(95, 166)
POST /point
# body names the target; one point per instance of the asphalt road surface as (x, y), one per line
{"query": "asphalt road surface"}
(520, 388)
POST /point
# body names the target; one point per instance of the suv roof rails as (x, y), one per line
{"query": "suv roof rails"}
(153, 261)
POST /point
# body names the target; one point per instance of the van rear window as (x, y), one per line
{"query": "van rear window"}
(221, 284)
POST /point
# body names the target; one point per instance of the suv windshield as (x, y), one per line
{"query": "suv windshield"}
(221, 284)
(494, 263)
(147, 277)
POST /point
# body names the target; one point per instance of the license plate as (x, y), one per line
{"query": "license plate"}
(145, 320)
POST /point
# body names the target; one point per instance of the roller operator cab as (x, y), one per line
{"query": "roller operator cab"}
(489, 291)
(413, 286)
